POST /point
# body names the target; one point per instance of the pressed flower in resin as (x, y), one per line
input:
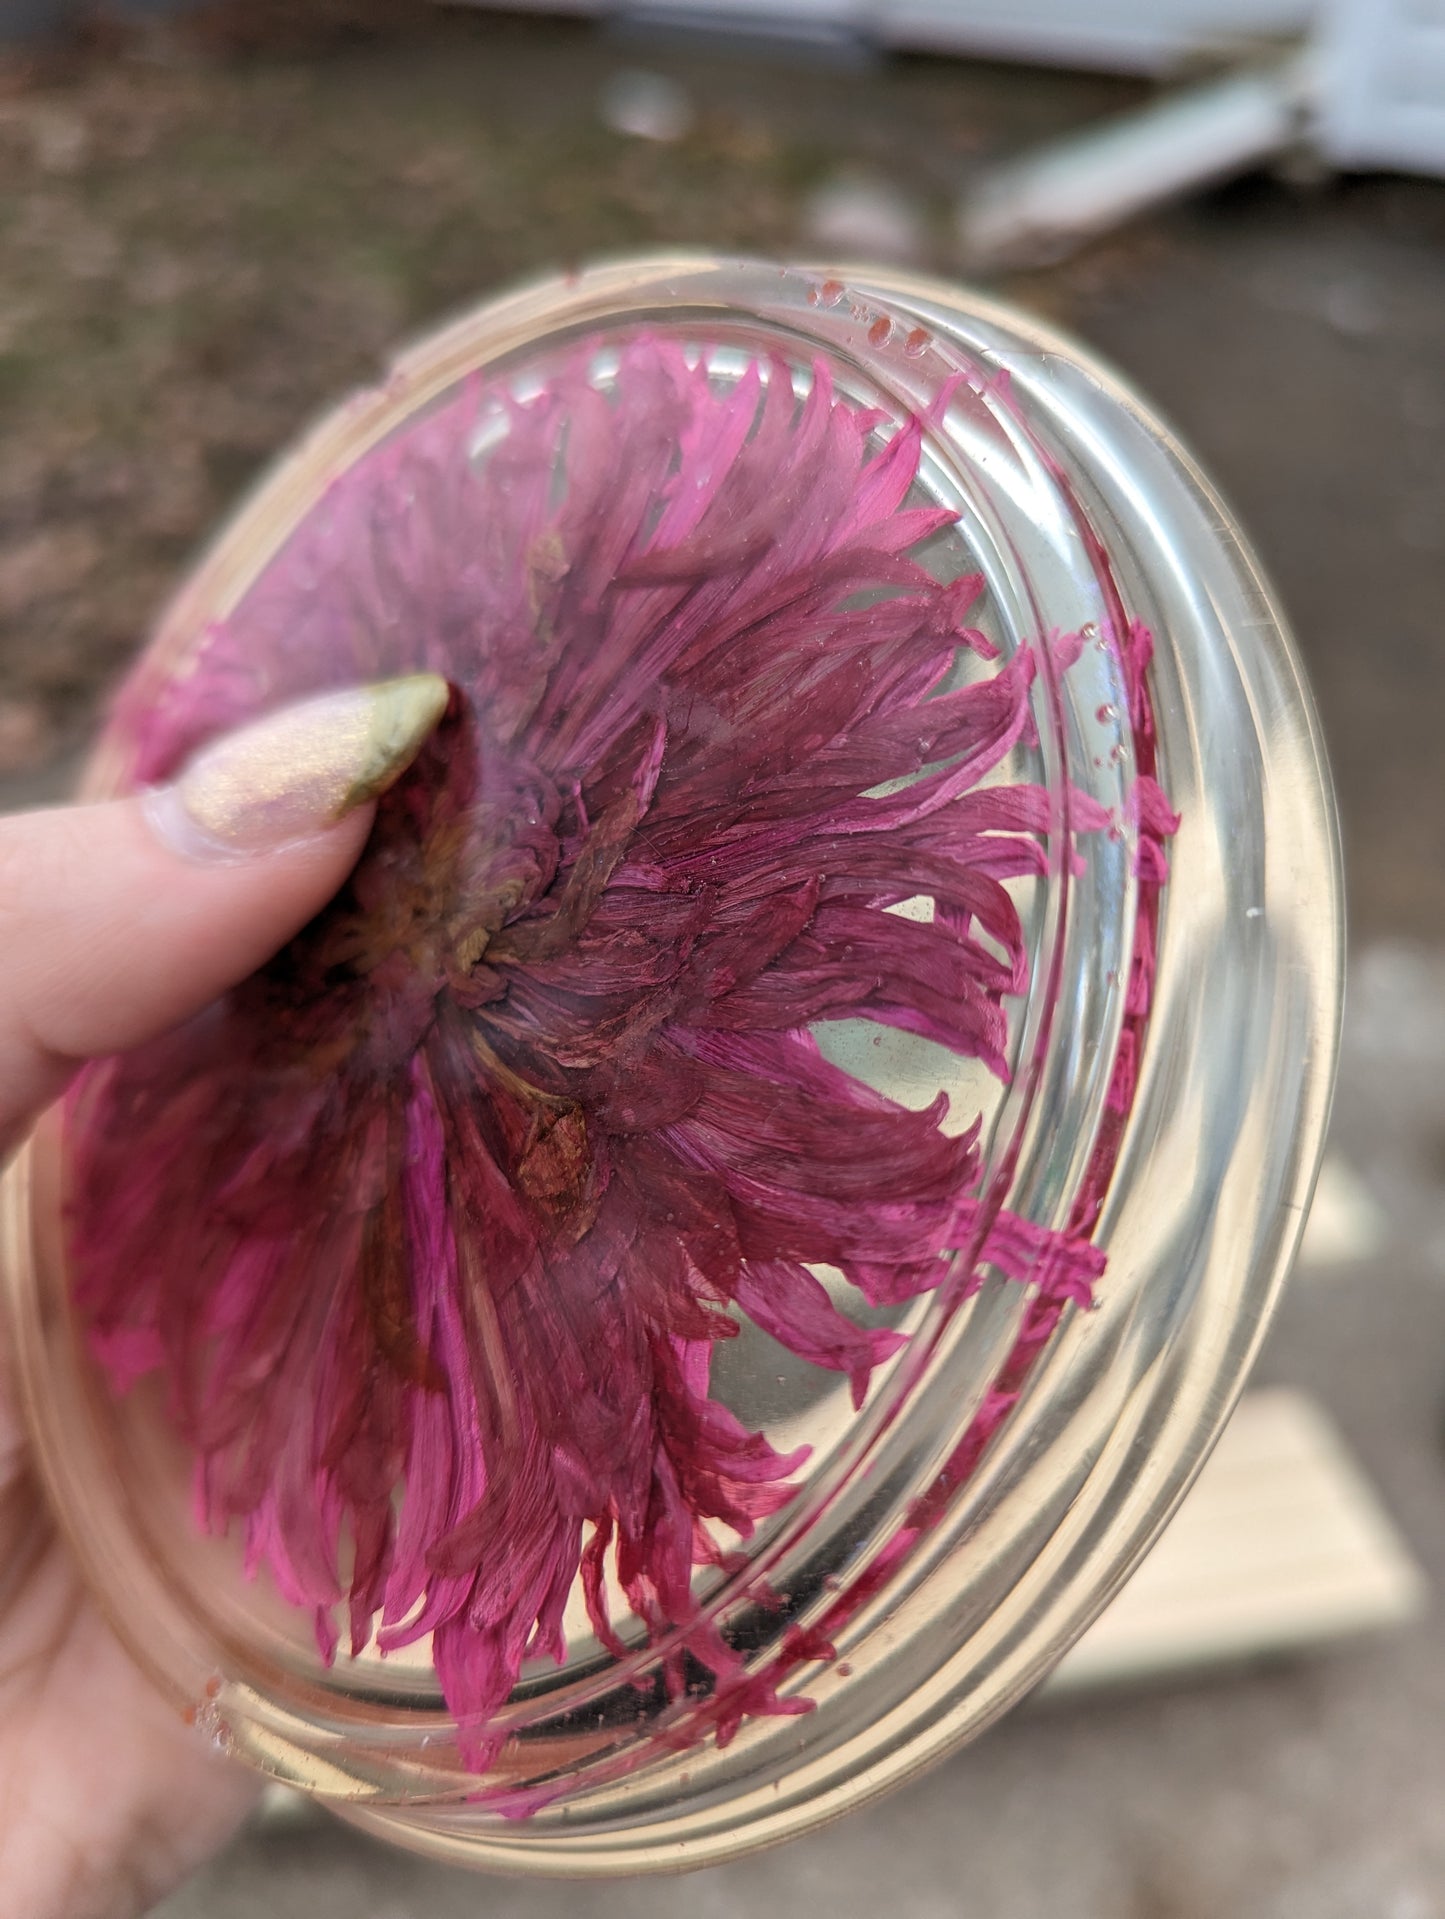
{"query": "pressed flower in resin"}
(431, 1229)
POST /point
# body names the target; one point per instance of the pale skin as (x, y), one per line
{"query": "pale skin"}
(107, 937)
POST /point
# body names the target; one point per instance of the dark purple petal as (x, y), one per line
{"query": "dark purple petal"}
(787, 1301)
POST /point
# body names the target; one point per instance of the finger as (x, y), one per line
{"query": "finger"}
(121, 919)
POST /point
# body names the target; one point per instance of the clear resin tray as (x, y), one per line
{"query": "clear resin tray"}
(677, 1298)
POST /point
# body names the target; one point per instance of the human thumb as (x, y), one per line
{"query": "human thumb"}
(121, 919)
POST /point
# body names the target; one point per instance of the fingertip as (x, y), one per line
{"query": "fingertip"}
(109, 934)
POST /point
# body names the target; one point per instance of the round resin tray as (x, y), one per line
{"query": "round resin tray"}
(676, 1299)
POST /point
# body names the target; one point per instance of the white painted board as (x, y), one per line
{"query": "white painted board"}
(1137, 36)
(1282, 1545)
(1142, 36)
(1383, 84)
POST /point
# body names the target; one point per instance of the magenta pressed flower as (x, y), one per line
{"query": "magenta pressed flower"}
(432, 1227)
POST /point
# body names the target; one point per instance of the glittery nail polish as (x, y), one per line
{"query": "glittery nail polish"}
(298, 771)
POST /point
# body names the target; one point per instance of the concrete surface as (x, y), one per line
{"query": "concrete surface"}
(1298, 339)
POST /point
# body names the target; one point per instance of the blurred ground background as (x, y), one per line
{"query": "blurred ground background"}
(206, 235)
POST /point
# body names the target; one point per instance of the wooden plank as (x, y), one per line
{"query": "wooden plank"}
(1282, 1544)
